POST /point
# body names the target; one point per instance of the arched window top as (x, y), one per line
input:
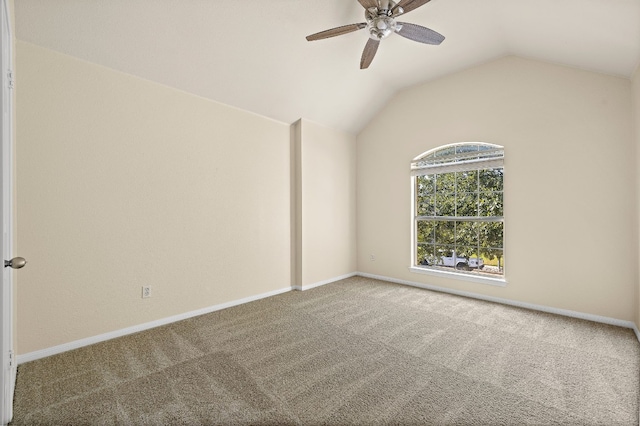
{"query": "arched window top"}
(457, 157)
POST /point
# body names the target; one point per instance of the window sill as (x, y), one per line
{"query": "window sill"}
(500, 282)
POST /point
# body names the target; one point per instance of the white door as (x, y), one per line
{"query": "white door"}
(8, 367)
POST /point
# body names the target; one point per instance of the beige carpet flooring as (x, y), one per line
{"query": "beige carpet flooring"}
(358, 351)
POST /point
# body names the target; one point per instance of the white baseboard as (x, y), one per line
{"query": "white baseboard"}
(32, 356)
(325, 282)
(542, 308)
(635, 329)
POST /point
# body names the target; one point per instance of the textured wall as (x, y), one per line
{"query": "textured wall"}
(123, 183)
(569, 180)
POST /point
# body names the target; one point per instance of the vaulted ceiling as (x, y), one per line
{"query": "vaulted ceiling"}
(252, 54)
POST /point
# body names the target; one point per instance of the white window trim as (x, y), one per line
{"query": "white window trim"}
(499, 282)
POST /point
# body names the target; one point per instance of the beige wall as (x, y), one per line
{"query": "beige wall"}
(326, 203)
(123, 183)
(636, 122)
(569, 180)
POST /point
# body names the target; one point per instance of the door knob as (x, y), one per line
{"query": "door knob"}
(15, 263)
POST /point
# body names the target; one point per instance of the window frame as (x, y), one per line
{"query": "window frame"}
(428, 163)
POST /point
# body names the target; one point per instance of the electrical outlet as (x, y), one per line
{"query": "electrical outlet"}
(146, 291)
(372, 257)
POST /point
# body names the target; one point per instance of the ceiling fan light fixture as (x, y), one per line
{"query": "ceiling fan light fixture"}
(381, 27)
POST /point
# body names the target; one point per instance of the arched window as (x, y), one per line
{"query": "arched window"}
(458, 210)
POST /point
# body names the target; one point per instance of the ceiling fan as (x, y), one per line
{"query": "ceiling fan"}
(381, 22)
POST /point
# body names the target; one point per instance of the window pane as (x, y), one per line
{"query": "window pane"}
(465, 251)
(445, 234)
(467, 181)
(466, 148)
(425, 254)
(467, 204)
(430, 258)
(494, 264)
(445, 205)
(491, 236)
(491, 180)
(473, 254)
(445, 152)
(425, 185)
(490, 204)
(426, 206)
(425, 232)
(445, 183)
(442, 252)
(467, 237)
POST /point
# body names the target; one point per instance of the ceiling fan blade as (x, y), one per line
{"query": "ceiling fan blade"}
(369, 52)
(421, 34)
(336, 31)
(367, 4)
(408, 5)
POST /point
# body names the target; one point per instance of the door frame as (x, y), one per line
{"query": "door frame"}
(8, 366)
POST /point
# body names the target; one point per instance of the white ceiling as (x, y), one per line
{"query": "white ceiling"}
(252, 54)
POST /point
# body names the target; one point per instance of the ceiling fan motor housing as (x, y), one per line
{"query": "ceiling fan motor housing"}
(380, 23)
(381, 27)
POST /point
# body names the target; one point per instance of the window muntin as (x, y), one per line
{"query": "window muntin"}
(459, 209)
